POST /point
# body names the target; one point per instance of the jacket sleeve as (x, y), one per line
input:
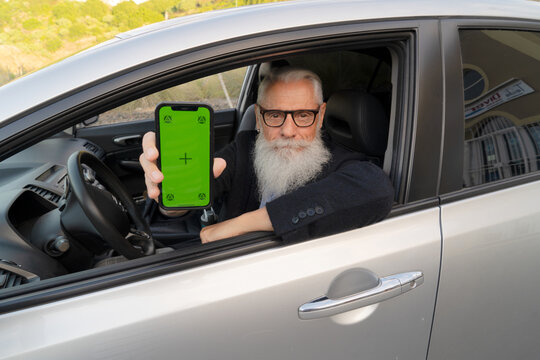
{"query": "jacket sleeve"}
(356, 194)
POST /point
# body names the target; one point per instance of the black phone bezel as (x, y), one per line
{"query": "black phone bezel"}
(179, 106)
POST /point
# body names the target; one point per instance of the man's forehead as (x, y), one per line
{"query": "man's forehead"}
(294, 94)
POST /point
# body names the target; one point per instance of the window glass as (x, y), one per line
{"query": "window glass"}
(221, 91)
(501, 79)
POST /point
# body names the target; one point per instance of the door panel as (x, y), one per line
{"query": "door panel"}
(247, 307)
(122, 144)
(487, 305)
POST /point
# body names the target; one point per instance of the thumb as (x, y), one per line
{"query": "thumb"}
(219, 165)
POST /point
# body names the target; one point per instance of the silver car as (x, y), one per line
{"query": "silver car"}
(453, 119)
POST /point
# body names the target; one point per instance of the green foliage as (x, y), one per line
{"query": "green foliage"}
(160, 6)
(149, 16)
(43, 30)
(128, 15)
(67, 10)
(123, 12)
(77, 31)
(31, 24)
(5, 14)
(53, 44)
(95, 9)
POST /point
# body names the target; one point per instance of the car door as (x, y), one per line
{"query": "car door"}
(248, 307)
(487, 305)
(365, 293)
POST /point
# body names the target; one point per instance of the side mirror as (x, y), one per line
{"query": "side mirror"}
(91, 120)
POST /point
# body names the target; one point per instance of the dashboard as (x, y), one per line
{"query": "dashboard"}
(32, 192)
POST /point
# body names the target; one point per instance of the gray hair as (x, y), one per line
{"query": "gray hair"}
(289, 74)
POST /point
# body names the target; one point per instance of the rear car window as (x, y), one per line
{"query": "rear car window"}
(502, 119)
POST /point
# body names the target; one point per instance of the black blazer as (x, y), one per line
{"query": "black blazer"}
(350, 192)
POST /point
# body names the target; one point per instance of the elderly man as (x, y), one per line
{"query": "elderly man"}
(284, 177)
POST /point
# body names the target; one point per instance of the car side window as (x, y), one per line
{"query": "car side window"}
(501, 79)
(221, 91)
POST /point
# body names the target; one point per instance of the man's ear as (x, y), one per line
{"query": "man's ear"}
(322, 110)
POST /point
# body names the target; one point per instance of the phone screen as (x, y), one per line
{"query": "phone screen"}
(184, 139)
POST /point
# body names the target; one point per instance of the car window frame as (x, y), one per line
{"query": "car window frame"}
(133, 83)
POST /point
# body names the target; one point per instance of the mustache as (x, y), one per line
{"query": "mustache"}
(289, 143)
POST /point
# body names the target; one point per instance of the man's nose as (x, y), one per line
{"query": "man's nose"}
(288, 129)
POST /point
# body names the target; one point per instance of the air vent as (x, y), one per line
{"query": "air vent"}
(91, 147)
(13, 275)
(44, 193)
(9, 279)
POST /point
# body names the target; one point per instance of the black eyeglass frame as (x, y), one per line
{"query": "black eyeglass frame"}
(264, 111)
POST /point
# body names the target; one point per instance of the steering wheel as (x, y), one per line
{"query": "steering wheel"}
(100, 206)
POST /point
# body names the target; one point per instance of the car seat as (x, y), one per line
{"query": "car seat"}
(358, 121)
(248, 121)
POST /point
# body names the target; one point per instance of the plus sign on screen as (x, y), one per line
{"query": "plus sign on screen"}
(185, 157)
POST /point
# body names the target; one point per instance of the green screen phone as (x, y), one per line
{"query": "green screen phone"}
(184, 139)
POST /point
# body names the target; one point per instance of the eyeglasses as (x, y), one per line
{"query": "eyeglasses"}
(276, 118)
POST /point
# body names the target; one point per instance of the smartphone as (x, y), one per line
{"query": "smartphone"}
(184, 138)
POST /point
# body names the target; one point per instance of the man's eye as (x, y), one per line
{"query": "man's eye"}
(273, 115)
(303, 114)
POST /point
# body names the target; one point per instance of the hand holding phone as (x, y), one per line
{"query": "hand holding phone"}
(184, 139)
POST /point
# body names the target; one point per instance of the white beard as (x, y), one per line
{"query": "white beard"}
(284, 165)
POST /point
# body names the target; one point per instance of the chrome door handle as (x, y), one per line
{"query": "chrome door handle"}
(388, 287)
(128, 140)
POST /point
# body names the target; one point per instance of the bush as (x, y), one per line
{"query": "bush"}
(5, 14)
(123, 12)
(95, 9)
(53, 44)
(31, 24)
(148, 16)
(127, 15)
(67, 10)
(77, 31)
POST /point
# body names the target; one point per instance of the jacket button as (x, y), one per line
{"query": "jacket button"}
(319, 210)
(311, 212)
(295, 220)
(302, 214)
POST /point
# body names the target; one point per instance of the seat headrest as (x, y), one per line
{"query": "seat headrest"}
(248, 121)
(358, 121)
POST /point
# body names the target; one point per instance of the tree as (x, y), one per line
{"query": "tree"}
(31, 24)
(127, 15)
(160, 6)
(67, 10)
(123, 12)
(95, 8)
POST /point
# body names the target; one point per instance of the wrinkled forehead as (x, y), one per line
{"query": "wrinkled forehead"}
(290, 95)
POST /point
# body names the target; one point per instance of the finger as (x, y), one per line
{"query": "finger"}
(150, 169)
(151, 188)
(149, 146)
(219, 166)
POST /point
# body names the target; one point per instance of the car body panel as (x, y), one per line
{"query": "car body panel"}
(247, 307)
(489, 291)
